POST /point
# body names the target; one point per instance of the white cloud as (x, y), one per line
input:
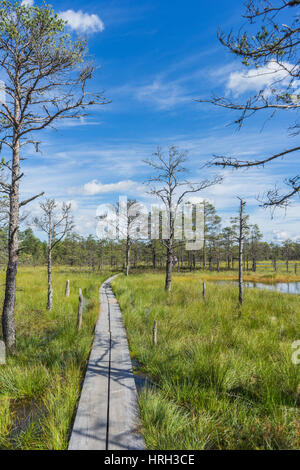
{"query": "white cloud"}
(83, 22)
(281, 236)
(95, 187)
(270, 76)
(28, 3)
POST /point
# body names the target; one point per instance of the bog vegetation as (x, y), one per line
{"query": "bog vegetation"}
(221, 376)
(40, 384)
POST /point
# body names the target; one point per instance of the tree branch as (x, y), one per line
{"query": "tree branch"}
(27, 201)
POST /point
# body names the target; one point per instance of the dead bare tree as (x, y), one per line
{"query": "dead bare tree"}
(240, 224)
(127, 228)
(130, 226)
(57, 224)
(44, 77)
(168, 186)
(274, 51)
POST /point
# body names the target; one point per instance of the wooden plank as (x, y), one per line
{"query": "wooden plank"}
(90, 426)
(89, 431)
(124, 423)
(107, 417)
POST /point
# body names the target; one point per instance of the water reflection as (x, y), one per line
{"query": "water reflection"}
(283, 287)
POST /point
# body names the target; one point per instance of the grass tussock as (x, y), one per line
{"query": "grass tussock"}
(224, 376)
(40, 385)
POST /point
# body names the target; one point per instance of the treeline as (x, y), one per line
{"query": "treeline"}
(220, 250)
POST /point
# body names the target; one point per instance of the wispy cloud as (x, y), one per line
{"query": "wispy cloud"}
(158, 93)
(95, 187)
(162, 95)
(82, 121)
(173, 86)
(83, 22)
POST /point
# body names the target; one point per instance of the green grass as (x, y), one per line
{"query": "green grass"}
(264, 273)
(223, 377)
(40, 385)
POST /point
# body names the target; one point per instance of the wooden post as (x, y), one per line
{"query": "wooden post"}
(295, 268)
(80, 308)
(204, 290)
(2, 353)
(155, 333)
(67, 291)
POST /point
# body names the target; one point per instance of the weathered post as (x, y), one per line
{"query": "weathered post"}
(80, 308)
(204, 290)
(2, 353)
(295, 268)
(67, 291)
(155, 333)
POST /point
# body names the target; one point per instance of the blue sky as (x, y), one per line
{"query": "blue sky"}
(154, 59)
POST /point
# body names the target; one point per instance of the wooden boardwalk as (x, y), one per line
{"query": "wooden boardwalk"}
(107, 416)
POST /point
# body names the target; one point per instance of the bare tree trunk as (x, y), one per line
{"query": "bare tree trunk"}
(8, 323)
(154, 333)
(204, 290)
(190, 261)
(204, 253)
(67, 290)
(169, 268)
(241, 273)
(210, 259)
(127, 256)
(241, 242)
(204, 238)
(154, 259)
(50, 289)
(228, 262)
